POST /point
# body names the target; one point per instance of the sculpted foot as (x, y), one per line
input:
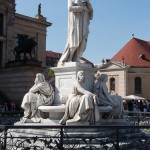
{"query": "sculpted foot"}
(63, 121)
(60, 64)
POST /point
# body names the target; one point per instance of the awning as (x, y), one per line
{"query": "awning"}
(130, 97)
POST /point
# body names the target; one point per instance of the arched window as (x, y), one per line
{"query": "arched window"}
(112, 84)
(138, 85)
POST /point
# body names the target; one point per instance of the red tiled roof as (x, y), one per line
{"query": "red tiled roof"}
(52, 54)
(58, 55)
(131, 52)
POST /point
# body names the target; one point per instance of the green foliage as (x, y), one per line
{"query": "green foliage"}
(50, 73)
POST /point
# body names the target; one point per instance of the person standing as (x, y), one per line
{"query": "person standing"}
(80, 13)
(130, 105)
(145, 107)
(141, 106)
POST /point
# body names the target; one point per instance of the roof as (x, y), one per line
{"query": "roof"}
(58, 55)
(34, 20)
(133, 53)
(52, 54)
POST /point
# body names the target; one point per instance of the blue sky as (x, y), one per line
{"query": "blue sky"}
(112, 26)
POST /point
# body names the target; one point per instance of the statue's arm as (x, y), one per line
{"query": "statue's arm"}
(90, 9)
(74, 7)
(82, 90)
(107, 95)
(95, 88)
(34, 89)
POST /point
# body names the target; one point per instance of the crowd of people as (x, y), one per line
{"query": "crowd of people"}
(138, 105)
(7, 107)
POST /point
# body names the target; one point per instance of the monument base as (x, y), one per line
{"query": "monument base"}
(24, 62)
(65, 76)
(17, 80)
(51, 135)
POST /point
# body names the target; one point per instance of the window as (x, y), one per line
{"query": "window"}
(138, 84)
(1, 52)
(1, 24)
(112, 84)
(50, 61)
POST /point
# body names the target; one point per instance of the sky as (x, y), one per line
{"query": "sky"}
(113, 24)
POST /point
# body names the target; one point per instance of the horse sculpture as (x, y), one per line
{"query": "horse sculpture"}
(25, 45)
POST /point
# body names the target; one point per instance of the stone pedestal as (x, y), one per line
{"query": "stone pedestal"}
(65, 76)
(17, 80)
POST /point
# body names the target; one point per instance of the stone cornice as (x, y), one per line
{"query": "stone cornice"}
(34, 20)
(139, 66)
(2, 38)
(10, 1)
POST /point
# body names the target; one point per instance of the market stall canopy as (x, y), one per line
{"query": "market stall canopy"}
(130, 97)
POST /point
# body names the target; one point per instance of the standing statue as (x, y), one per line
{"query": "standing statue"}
(100, 89)
(79, 16)
(39, 9)
(41, 93)
(82, 104)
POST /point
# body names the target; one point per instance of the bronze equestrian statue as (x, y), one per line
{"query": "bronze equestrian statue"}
(25, 45)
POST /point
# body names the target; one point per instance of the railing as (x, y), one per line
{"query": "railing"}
(27, 137)
(75, 137)
(138, 118)
(10, 117)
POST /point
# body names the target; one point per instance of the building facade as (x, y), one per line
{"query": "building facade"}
(12, 24)
(129, 70)
(17, 78)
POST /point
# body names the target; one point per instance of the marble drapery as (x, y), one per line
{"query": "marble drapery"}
(80, 13)
(81, 106)
(105, 98)
(41, 93)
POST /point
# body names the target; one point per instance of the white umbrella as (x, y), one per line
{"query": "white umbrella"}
(129, 97)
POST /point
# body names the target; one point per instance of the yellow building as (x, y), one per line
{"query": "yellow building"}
(129, 70)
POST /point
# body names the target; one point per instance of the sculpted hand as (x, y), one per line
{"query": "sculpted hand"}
(90, 94)
(85, 8)
(93, 94)
(113, 105)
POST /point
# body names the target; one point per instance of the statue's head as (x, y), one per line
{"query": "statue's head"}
(80, 76)
(103, 78)
(39, 78)
(77, 2)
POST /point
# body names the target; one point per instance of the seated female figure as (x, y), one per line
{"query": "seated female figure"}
(100, 89)
(82, 104)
